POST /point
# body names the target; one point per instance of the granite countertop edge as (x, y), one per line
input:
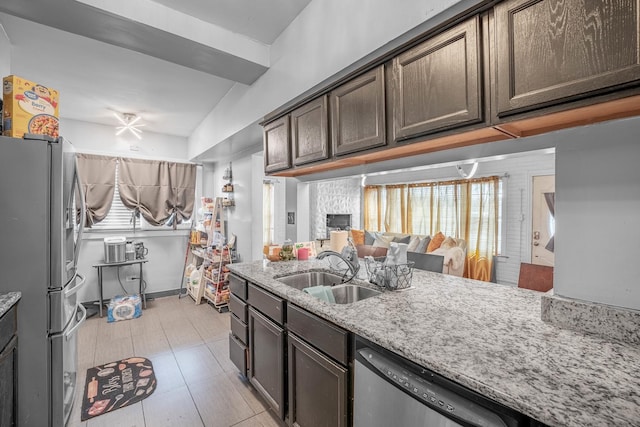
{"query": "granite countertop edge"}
(487, 337)
(8, 300)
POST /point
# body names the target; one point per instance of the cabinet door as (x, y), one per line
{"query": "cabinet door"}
(437, 84)
(317, 388)
(548, 52)
(9, 384)
(266, 359)
(309, 132)
(358, 113)
(277, 152)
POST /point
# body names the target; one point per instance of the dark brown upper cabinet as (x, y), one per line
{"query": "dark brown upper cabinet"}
(549, 52)
(277, 151)
(437, 84)
(309, 132)
(358, 113)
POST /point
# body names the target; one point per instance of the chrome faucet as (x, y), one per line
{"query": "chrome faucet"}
(350, 257)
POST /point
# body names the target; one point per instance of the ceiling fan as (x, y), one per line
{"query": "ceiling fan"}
(129, 121)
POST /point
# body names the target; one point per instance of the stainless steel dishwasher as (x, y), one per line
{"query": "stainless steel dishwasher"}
(392, 391)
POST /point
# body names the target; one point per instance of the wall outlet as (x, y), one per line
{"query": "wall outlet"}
(131, 278)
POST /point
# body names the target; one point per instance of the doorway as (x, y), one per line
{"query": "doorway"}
(543, 221)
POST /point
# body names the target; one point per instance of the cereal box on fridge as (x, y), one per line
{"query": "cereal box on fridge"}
(29, 108)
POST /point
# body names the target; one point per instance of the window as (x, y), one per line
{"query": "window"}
(465, 209)
(121, 218)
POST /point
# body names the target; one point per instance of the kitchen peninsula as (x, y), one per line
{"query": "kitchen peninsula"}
(487, 337)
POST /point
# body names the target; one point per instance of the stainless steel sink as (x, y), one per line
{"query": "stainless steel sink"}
(312, 278)
(347, 294)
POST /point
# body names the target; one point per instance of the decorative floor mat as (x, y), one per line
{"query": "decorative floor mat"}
(116, 385)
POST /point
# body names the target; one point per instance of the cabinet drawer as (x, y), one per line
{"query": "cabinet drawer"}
(238, 354)
(8, 324)
(238, 287)
(326, 337)
(239, 329)
(267, 303)
(238, 307)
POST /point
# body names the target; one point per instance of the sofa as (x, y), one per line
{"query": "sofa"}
(452, 250)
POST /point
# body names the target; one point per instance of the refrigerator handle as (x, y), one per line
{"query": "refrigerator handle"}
(83, 216)
(73, 330)
(77, 287)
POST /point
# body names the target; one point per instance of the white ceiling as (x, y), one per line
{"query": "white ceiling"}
(169, 61)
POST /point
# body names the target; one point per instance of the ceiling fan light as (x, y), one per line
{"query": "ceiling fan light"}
(129, 121)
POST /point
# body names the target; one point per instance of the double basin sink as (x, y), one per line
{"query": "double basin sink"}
(342, 293)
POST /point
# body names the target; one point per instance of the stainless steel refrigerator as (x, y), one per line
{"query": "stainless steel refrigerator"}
(40, 240)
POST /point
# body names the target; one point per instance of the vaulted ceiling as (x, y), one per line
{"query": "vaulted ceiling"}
(169, 61)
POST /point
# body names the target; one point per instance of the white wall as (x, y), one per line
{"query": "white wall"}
(5, 53)
(257, 166)
(326, 37)
(291, 205)
(239, 217)
(167, 248)
(598, 213)
(100, 139)
(339, 196)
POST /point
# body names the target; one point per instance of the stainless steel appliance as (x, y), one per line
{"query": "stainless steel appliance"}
(41, 239)
(392, 391)
(115, 249)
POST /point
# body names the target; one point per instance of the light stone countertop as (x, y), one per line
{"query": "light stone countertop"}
(8, 300)
(489, 338)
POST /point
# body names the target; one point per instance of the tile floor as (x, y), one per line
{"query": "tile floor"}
(188, 346)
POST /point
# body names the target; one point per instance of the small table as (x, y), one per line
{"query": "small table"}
(120, 264)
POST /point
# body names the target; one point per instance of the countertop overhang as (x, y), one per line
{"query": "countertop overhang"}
(8, 300)
(489, 338)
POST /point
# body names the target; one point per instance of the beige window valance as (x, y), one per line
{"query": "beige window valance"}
(162, 192)
(97, 177)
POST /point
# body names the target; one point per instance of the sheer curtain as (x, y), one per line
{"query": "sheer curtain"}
(373, 211)
(482, 230)
(465, 209)
(395, 215)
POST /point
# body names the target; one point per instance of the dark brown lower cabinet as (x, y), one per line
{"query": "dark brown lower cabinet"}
(318, 387)
(238, 354)
(8, 369)
(267, 360)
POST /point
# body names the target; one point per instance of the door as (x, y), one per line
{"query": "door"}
(310, 132)
(548, 52)
(277, 152)
(266, 359)
(317, 387)
(64, 369)
(358, 113)
(543, 222)
(66, 229)
(437, 84)
(63, 304)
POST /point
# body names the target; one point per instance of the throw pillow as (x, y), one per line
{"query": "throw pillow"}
(382, 241)
(357, 236)
(448, 243)
(369, 237)
(422, 246)
(413, 244)
(403, 239)
(435, 242)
